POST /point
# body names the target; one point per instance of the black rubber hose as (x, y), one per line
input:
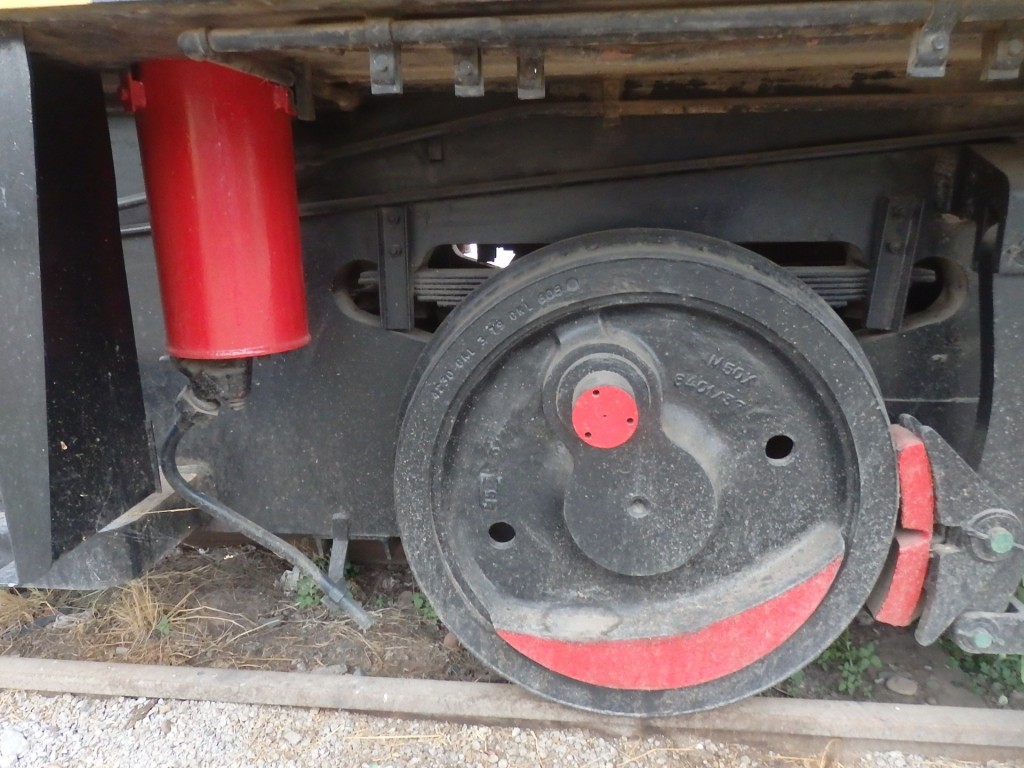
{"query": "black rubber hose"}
(240, 524)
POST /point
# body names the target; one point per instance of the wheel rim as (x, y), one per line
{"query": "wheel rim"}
(692, 556)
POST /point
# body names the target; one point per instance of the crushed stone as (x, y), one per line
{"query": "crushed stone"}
(68, 731)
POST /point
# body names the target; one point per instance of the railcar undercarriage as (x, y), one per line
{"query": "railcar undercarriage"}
(665, 337)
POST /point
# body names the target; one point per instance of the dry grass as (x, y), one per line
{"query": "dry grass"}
(18, 608)
(224, 608)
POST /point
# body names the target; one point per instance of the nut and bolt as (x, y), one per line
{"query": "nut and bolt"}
(894, 245)
(1000, 541)
(981, 638)
(638, 509)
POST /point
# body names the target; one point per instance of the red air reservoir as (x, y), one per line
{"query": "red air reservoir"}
(220, 177)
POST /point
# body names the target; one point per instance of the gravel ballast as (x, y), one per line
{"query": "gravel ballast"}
(67, 731)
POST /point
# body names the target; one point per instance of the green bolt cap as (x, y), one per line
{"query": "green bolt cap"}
(981, 638)
(1000, 541)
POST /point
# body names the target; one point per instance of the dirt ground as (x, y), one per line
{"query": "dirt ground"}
(239, 607)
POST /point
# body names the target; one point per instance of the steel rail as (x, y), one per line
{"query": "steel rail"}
(807, 726)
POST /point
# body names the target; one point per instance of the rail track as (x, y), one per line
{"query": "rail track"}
(792, 726)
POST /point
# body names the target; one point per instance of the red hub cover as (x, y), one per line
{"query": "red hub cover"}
(605, 416)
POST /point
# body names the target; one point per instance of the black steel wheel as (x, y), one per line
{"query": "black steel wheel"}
(645, 472)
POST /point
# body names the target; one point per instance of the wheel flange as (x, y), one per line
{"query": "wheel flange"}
(645, 472)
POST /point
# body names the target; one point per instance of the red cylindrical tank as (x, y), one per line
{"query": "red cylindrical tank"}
(220, 177)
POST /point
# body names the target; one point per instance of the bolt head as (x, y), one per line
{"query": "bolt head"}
(982, 638)
(939, 42)
(1000, 541)
(638, 509)
(1015, 47)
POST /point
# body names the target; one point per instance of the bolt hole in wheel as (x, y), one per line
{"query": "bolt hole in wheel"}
(502, 534)
(779, 449)
(638, 508)
(614, 423)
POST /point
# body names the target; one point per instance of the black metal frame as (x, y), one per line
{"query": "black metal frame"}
(76, 450)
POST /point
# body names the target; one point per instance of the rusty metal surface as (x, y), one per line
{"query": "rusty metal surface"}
(857, 58)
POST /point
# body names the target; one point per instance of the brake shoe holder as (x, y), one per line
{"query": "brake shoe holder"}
(977, 557)
(896, 598)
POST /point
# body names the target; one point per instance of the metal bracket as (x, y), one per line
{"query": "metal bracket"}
(339, 547)
(469, 77)
(894, 262)
(992, 193)
(991, 632)
(1003, 54)
(530, 73)
(965, 574)
(305, 106)
(929, 50)
(395, 281)
(385, 60)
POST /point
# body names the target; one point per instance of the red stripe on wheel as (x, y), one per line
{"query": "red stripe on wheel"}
(663, 663)
(903, 582)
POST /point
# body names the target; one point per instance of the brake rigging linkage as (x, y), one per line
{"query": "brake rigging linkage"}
(213, 385)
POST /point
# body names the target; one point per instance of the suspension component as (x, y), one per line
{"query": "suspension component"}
(220, 177)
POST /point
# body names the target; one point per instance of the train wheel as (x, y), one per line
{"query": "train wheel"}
(645, 472)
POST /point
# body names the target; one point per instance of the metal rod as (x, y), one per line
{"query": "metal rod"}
(470, 122)
(669, 107)
(694, 165)
(721, 23)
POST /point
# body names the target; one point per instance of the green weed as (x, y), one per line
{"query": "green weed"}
(308, 594)
(793, 685)
(853, 662)
(423, 607)
(163, 626)
(989, 674)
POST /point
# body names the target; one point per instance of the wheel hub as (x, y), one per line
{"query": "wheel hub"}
(634, 496)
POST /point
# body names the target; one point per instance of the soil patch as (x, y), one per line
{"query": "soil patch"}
(228, 608)
(240, 607)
